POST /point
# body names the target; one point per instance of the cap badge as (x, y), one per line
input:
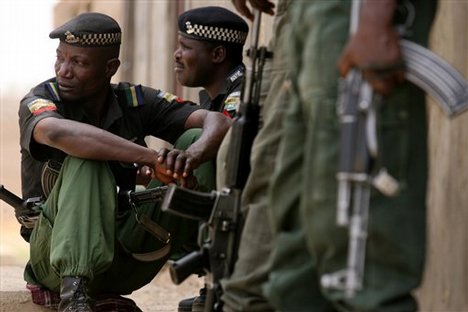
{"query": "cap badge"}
(70, 38)
(189, 28)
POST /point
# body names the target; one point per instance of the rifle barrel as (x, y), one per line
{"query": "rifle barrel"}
(10, 198)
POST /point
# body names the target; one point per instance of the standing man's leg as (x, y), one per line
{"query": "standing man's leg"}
(294, 281)
(243, 290)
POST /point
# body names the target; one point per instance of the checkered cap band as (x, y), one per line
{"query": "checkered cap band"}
(216, 33)
(93, 39)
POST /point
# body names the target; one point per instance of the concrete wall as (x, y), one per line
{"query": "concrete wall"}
(446, 278)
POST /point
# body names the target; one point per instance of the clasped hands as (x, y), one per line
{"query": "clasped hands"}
(172, 166)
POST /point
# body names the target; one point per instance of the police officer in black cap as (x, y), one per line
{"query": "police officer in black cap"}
(87, 242)
(209, 55)
(211, 41)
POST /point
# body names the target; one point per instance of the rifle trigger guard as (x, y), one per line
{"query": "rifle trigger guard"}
(406, 8)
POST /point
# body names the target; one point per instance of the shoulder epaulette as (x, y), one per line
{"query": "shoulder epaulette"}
(53, 89)
(134, 96)
(236, 74)
(169, 96)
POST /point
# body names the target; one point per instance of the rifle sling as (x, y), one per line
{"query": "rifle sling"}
(153, 255)
(157, 231)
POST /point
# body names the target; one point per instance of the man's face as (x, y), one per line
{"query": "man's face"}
(81, 72)
(193, 62)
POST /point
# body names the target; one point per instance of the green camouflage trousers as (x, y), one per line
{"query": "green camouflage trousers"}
(82, 233)
(307, 241)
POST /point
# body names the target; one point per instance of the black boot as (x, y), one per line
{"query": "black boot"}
(74, 297)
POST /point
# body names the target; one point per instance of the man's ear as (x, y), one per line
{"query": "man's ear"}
(219, 54)
(112, 66)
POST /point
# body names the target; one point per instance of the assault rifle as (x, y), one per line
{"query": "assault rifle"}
(25, 211)
(220, 211)
(358, 147)
(27, 214)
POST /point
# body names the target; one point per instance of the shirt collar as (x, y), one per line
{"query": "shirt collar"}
(234, 75)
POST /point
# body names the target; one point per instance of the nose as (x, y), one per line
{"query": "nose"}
(63, 69)
(177, 54)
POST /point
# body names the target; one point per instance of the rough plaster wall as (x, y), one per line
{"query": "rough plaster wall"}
(446, 277)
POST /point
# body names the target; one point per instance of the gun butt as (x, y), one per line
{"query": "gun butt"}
(185, 266)
(11, 199)
(24, 212)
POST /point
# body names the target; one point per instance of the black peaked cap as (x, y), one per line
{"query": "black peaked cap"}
(89, 30)
(213, 23)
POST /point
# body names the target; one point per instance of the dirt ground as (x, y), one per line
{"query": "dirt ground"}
(160, 295)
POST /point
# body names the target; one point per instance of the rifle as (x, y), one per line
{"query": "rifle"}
(27, 215)
(356, 109)
(219, 211)
(150, 195)
(25, 211)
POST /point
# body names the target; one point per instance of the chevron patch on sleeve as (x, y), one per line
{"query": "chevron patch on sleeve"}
(232, 101)
(169, 96)
(39, 106)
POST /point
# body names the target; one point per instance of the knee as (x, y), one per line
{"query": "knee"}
(187, 138)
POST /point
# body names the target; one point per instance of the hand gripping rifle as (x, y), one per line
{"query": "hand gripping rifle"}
(219, 211)
(27, 214)
(25, 211)
(358, 147)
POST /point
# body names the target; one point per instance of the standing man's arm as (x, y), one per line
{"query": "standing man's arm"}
(375, 47)
(265, 6)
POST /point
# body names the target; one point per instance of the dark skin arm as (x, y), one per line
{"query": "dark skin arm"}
(89, 142)
(375, 48)
(180, 164)
(264, 6)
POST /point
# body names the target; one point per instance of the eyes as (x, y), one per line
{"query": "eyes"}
(183, 46)
(74, 61)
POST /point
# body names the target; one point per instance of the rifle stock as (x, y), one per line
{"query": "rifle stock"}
(11, 199)
(24, 210)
